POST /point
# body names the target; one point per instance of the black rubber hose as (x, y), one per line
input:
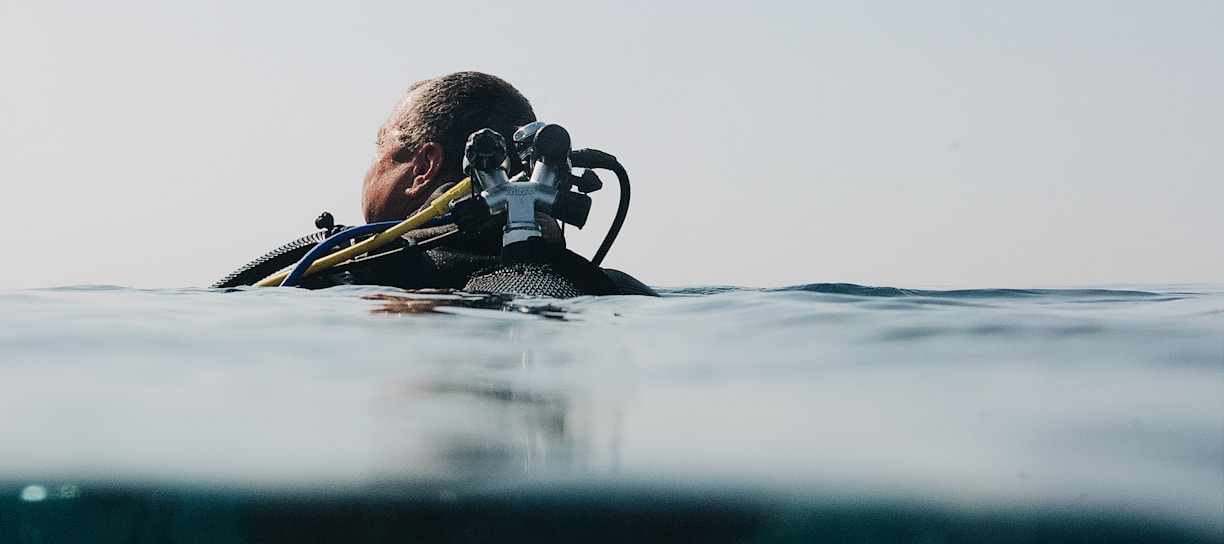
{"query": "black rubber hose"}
(622, 210)
(271, 262)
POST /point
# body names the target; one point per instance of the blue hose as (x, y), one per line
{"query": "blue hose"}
(343, 236)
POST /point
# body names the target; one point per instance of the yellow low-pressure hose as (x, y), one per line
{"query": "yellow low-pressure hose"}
(439, 207)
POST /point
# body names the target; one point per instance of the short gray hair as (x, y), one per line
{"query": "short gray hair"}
(450, 108)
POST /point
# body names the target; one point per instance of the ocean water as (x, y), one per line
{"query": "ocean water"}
(824, 412)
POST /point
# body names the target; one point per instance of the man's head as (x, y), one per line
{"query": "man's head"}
(420, 147)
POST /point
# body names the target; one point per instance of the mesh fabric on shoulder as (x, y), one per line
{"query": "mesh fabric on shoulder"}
(524, 279)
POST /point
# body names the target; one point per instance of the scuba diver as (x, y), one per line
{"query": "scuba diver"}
(451, 204)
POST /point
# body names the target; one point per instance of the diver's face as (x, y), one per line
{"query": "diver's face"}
(387, 192)
(400, 180)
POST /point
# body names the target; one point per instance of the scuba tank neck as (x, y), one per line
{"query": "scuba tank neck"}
(485, 160)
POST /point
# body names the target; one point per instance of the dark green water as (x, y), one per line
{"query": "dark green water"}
(559, 513)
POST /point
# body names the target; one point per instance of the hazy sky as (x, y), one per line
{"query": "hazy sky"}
(971, 144)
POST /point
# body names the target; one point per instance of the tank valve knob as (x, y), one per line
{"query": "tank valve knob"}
(552, 145)
(485, 150)
(325, 221)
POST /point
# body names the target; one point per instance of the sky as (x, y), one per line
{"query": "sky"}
(770, 143)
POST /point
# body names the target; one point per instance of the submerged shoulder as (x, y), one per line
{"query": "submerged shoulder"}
(629, 285)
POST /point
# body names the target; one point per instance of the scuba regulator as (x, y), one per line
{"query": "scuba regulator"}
(542, 187)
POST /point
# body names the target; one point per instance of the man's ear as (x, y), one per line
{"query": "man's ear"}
(427, 166)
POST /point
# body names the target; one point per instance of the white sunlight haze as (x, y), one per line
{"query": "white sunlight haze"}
(941, 143)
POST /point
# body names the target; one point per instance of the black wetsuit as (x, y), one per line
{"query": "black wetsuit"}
(471, 261)
(463, 259)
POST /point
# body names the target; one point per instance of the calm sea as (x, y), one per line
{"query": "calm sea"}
(823, 412)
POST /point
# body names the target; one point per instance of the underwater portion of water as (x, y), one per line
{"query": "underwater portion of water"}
(825, 411)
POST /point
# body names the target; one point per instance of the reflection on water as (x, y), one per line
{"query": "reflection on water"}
(520, 409)
(488, 419)
(441, 300)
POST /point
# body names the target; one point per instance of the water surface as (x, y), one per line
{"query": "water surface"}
(829, 411)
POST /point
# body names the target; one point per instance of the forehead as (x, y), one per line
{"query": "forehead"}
(389, 133)
(391, 130)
